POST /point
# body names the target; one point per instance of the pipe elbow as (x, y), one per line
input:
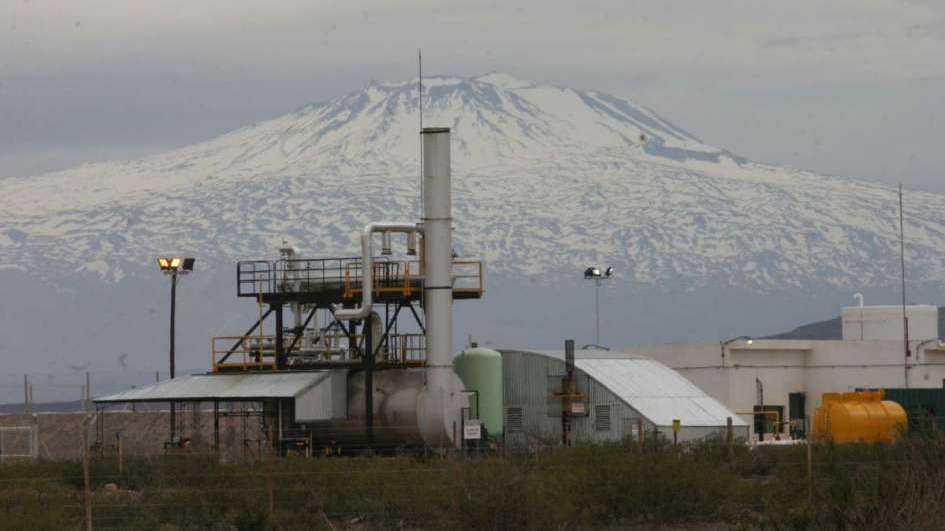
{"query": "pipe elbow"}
(359, 313)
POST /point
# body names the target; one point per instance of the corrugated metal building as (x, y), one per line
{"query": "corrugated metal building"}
(623, 392)
(314, 395)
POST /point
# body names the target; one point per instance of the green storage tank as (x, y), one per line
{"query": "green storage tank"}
(480, 369)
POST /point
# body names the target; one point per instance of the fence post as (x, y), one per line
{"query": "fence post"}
(730, 441)
(27, 406)
(267, 464)
(35, 438)
(85, 472)
(121, 460)
(810, 473)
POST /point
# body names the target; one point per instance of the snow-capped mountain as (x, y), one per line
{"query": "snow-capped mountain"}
(547, 180)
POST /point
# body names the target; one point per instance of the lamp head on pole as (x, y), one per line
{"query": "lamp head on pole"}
(176, 264)
(595, 272)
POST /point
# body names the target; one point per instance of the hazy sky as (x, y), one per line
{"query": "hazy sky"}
(848, 87)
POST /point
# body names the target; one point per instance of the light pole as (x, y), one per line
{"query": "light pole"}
(727, 342)
(594, 273)
(173, 266)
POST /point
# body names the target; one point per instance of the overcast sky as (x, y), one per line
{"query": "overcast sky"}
(846, 87)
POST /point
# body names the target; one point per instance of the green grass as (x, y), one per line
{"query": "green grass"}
(899, 486)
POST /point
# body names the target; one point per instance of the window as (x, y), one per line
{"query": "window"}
(602, 415)
(768, 419)
(513, 419)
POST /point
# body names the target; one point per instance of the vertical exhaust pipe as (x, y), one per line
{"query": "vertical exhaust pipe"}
(437, 248)
(441, 403)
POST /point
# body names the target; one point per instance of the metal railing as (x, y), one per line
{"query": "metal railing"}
(257, 352)
(254, 277)
(407, 349)
(467, 277)
(391, 277)
(244, 352)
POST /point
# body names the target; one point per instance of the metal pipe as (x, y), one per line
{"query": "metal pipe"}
(367, 268)
(437, 242)
(173, 415)
(442, 399)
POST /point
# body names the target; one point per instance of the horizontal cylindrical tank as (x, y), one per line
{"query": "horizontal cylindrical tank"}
(858, 417)
(480, 369)
(396, 398)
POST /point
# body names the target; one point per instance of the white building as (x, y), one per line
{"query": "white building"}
(788, 377)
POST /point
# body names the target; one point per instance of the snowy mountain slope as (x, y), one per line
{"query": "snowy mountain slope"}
(546, 180)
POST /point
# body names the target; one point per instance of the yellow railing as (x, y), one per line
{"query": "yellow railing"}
(389, 277)
(397, 277)
(251, 352)
(407, 349)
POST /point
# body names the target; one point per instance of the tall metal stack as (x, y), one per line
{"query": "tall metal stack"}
(438, 408)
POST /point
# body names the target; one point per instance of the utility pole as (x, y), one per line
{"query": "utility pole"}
(594, 273)
(173, 310)
(174, 266)
(597, 310)
(905, 319)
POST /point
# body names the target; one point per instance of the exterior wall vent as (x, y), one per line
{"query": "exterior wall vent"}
(513, 419)
(602, 416)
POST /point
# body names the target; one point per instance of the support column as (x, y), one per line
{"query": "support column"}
(280, 351)
(369, 380)
(216, 426)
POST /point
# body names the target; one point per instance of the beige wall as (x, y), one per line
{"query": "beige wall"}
(784, 366)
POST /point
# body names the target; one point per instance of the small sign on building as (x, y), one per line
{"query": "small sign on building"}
(472, 430)
(578, 408)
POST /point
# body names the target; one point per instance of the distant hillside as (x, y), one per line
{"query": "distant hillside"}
(832, 329)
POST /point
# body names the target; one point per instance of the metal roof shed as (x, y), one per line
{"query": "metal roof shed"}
(318, 395)
(623, 392)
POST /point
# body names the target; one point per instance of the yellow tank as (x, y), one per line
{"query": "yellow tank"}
(858, 417)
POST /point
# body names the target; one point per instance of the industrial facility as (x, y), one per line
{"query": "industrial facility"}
(777, 385)
(367, 356)
(359, 355)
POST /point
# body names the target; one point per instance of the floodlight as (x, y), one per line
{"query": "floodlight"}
(176, 264)
(609, 272)
(592, 272)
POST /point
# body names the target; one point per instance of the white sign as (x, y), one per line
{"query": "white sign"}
(577, 408)
(472, 430)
